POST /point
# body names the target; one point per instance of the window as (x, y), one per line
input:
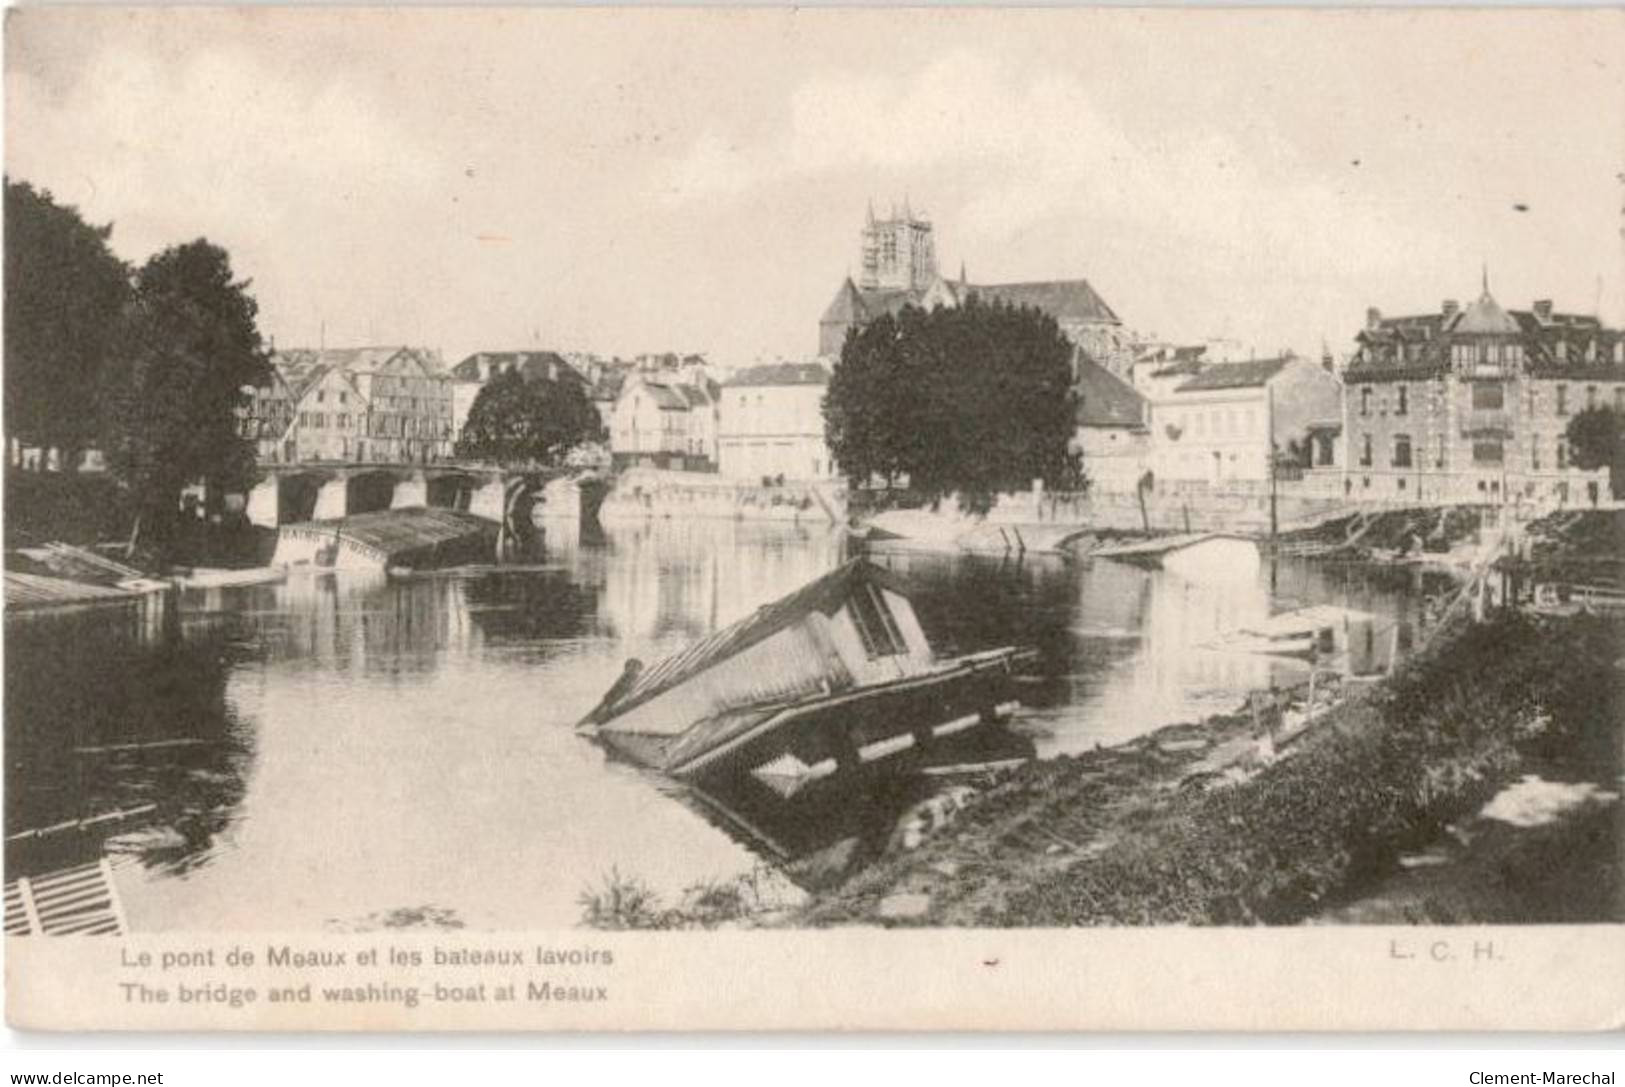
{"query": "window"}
(321, 394)
(1365, 400)
(875, 625)
(1488, 452)
(1562, 454)
(1404, 400)
(1591, 397)
(1619, 399)
(1534, 455)
(1402, 451)
(1438, 451)
(1489, 396)
(1365, 450)
(1562, 400)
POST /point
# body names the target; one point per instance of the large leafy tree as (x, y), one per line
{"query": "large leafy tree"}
(190, 347)
(520, 420)
(972, 400)
(1596, 438)
(65, 292)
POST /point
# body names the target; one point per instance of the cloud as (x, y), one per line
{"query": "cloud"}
(220, 134)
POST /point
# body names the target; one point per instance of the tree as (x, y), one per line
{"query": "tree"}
(870, 409)
(190, 347)
(973, 400)
(65, 292)
(518, 420)
(1596, 438)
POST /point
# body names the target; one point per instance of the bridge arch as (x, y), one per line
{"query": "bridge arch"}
(449, 489)
(370, 490)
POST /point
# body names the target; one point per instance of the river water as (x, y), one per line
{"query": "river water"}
(348, 752)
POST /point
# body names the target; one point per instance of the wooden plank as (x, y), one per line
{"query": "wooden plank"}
(29, 912)
(115, 903)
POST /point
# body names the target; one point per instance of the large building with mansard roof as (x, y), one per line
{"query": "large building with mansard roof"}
(1471, 403)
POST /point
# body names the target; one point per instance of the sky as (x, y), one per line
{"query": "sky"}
(695, 180)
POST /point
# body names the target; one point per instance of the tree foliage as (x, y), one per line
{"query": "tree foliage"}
(189, 346)
(65, 293)
(973, 400)
(516, 420)
(1596, 438)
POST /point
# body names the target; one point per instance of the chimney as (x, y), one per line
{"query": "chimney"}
(1373, 318)
(1543, 311)
(1450, 308)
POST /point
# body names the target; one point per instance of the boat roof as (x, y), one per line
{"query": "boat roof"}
(825, 594)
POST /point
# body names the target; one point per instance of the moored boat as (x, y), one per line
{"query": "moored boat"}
(832, 678)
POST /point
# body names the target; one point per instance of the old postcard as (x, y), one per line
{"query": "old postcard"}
(814, 519)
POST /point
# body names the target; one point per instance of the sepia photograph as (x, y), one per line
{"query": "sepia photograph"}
(500, 503)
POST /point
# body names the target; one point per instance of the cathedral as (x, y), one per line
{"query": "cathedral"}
(899, 268)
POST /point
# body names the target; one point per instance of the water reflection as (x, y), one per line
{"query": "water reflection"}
(374, 748)
(118, 710)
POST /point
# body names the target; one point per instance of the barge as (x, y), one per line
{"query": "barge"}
(833, 678)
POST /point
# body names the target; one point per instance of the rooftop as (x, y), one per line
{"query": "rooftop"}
(782, 373)
(532, 364)
(1235, 375)
(1104, 400)
(826, 594)
(1062, 299)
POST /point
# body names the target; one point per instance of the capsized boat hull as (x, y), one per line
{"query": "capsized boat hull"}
(796, 746)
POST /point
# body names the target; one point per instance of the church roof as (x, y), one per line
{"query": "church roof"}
(1104, 400)
(847, 305)
(888, 300)
(1062, 299)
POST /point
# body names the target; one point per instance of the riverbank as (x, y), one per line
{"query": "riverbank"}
(1190, 825)
(648, 493)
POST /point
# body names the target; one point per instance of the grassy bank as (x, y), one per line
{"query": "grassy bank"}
(1172, 830)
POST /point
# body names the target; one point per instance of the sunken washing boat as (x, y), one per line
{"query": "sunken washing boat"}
(835, 678)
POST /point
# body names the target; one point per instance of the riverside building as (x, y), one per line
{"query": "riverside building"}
(1473, 403)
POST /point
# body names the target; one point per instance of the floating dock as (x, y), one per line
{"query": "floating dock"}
(30, 591)
(1196, 555)
(78, 901)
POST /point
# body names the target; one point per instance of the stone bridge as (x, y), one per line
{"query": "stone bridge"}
(292, 493)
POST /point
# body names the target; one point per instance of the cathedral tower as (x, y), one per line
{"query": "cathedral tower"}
(899, 252)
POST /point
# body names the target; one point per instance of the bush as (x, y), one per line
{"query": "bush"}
(1438, 744)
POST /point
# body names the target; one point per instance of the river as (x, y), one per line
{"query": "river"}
(350, 752)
